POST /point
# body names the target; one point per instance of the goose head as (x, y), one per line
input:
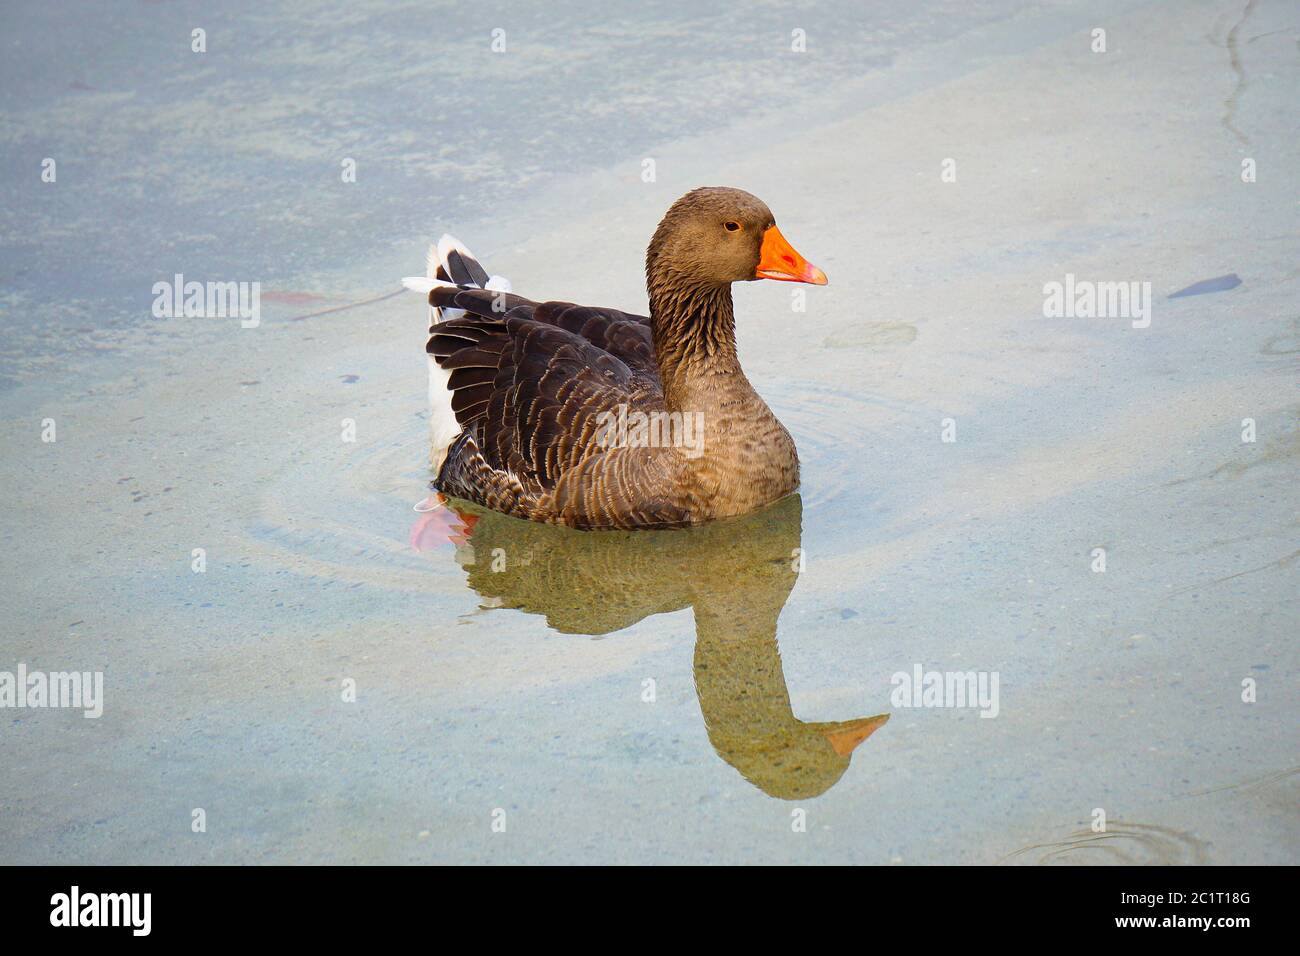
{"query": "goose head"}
(715, 236)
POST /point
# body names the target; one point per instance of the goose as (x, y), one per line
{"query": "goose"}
(599, 419)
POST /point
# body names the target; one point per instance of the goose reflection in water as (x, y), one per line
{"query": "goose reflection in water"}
(735, 574)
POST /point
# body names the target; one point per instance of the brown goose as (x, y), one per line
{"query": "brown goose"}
(598, 419)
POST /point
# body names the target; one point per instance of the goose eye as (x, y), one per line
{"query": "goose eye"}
(731, 226)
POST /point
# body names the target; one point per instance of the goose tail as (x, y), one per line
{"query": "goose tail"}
(448, 264)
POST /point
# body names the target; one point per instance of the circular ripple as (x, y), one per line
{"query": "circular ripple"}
(350, 517)
(1123, 844)
(835, 431)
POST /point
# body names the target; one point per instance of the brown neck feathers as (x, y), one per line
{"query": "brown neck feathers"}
(694, 330)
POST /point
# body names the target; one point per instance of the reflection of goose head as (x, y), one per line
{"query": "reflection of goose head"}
(736, 574)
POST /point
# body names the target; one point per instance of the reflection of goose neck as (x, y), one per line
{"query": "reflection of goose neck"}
(738, 672)
(742, 690)
(743, 694)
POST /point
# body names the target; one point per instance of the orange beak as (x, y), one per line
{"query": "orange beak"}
(778, 260)
(848, 734)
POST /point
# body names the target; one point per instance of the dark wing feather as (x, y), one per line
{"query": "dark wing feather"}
(621, 334)
(528, 383)
(465, 270)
